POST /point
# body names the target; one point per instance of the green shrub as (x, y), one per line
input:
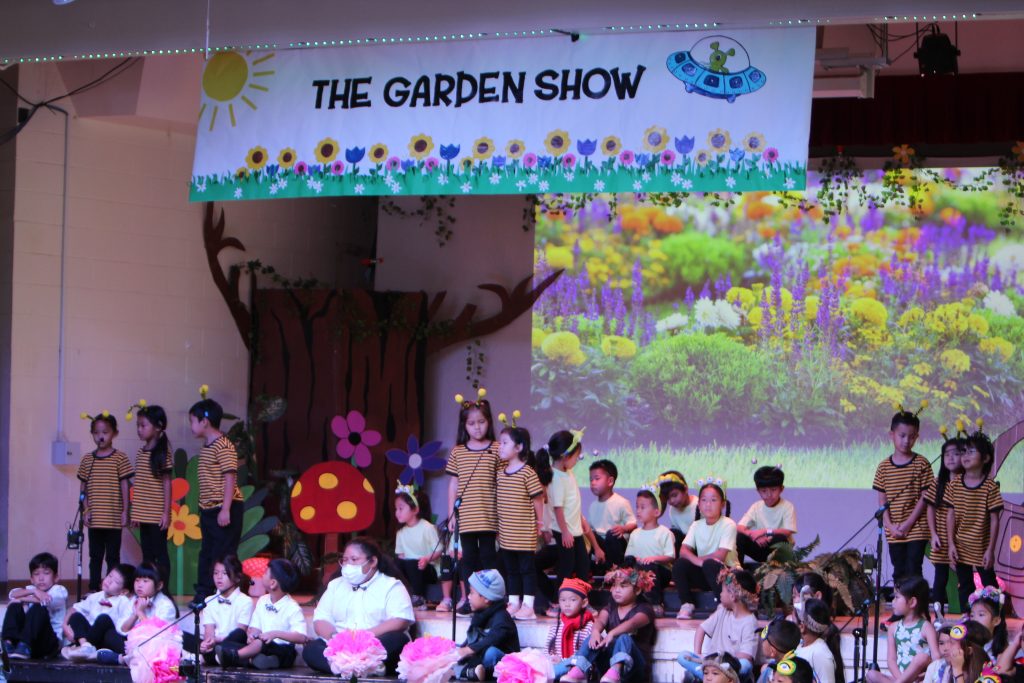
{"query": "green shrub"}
(696, 383)
(694, 258)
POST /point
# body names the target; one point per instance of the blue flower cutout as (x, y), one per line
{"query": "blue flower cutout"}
(643, 159)
(417, 459)
(449, 152)
(737, 154)
(355, 154)
(684, 145)
(498, 161)
(586, 147)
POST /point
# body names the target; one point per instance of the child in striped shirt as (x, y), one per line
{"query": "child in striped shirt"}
(151, 493)
(520, 513)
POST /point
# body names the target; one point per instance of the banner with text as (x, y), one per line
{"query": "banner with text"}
(656, 112)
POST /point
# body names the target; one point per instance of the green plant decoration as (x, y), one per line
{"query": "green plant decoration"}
(779, 573)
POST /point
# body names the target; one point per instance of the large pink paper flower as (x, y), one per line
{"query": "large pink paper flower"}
(354, 654)
(528, 666)
(354, 439)
(429, 659)
(153, 658)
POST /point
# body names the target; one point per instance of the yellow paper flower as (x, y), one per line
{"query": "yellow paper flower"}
(557, 142)
(183, 524)
(754, 143)
(719, 140)
(242, 172)
(702, 157)
(326, 150)
(655, 139)
(286, 158)
(483, 148)
(256, 158)
(611, 146)
(379, 153)
(420, 146)
(515, 149)
(467, 164)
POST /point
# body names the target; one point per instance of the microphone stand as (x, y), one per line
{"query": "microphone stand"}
(455, 560)
(80, 519)
(859, 635)
(879, 515)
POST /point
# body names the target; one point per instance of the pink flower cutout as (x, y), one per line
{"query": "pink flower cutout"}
(354, 439)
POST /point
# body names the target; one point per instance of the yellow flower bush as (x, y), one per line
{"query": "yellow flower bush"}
(811, 305)
(869, 311)
(997, 346)
(537, 337)
(912, 315)
(563, 347)
(923, 369)
(742, 296)
(618, 347)
(948, 319)
(977, 324)
(847, 406)
(955, 361)
(558, 257)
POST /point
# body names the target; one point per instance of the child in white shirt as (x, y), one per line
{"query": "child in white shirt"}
(650, 547)
(610, 516)
(35, 616)
(113, 601)
(227, 615)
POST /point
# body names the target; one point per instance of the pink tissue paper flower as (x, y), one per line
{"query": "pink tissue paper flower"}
(429, 659)
(353, 654)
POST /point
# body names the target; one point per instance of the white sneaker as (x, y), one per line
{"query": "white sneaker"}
(82, 653)
(686, 611)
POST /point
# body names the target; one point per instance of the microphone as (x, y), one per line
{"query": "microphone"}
(881, 511)
(200, 604)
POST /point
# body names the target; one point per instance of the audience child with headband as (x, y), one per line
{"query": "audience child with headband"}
(972, 518)
(104, 474)
(988, 607)
(913, 642)
(720, 667)
(573, 627)
(820, 642)
(650, 546)
(710, 545)
(151, 491)
(610, 516)
(473, 467)
(732, 628)
(949, 466)
(779, 637)
(680, 504)
(792, 669)
(417, 545)
(220, 498)
(901, 481)
(769, 521)
(963, 656)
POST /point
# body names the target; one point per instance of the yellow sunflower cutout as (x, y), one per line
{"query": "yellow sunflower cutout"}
(242, 173)
(183, 524)
(420, 146)
(379, 153)
(326, 150)
(557, 142)
(467, 164)
(611, 146)
(256, 158)
(483, 148)
(719, 141)
(753, 143)
(286, 158)
(655, 139)
(515, 149)
(702, 157)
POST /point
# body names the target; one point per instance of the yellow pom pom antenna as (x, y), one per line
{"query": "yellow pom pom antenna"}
(459, 398)
(134, 408)
(943, 429)
(85, 416)
(980, 422)
(481, 392)
(959, 425)
(503, 418)
(204, 389)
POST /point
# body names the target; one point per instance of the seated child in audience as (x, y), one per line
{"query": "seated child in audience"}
(417, 545)
(962, 647)
(770, 521)
(574, 625)
(622, 640)
(151, 600)
(679, 502)
(35, 614)
(809, 585)
(276, 627)
(731, 628)
(820, 642)
(610, 516)
(113, 600)
(792, 669)
(913, 643)
(710, 544)
(226, 617)
(778, 638)
(987, 607)
(720, 667)
(650, 546)
(492, 632)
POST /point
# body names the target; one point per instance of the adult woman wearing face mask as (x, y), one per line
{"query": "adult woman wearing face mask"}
(368, 595)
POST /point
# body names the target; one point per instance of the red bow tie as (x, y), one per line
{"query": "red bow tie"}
(106, 603)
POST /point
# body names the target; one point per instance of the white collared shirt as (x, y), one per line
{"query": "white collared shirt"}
(161, 608)
(365, 606)
(57, 608)
(226, 613)
(117, 608)
(283, 615)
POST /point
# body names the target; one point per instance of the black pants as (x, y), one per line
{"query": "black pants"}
(662, 576)
(393, 642)
(614, 552)
(153, 540)
(188, 643)
(417, 578)
(107, 635)
(939, 585)
(285, 652)
(907, 559)
(748, 547)
(30, 624)
(218, 541)
(678, 536)
(545, 559)
(574, 561)
(689, 576)
(965, 581)
(93, 632)
(520, 572)
(103, 543)
(478, 552)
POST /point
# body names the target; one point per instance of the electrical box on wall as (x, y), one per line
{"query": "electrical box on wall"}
(64, 452)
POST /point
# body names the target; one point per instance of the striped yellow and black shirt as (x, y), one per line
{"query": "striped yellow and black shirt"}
(216, 460)
(517, 519)
(102, 477)
(941, 555)
(903, 486)
(148, 501)
(476, 471)
(972, 508)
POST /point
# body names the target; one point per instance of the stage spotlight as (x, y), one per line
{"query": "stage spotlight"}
(936, 54)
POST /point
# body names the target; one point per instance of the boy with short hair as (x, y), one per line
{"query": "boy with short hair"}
(492, 633)
(779, 637)
(35, 615)
(220, 499)
(112, 600)
(277, 624)
(610, 516)
(769, 521)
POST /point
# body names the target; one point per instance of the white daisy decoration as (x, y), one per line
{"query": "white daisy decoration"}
(495, 179)
(645, 177)
(543, 186)
(282, 183)
(730, 182)
(599, 186)
(318, 187)
(442, 179)
(520, 185)
(638, 186)
(201, 187)
(677, 179)
(570, 176)
(238, 193)
(790, 183)
(532, 179)
(273, 189)
(466, 187)
(359, 189)
(687, 184)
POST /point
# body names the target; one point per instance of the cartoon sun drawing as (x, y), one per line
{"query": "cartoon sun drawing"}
(227, 78)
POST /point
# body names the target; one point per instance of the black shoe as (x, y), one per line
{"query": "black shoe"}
(20, 651)
(464, 610)
(262, 661)
(226, 656)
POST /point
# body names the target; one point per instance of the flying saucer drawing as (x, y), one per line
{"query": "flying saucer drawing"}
(717, 67)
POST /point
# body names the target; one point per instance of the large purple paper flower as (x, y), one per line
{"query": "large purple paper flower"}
(417, 459)
(354, 439)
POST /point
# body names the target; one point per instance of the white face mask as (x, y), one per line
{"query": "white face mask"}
(353, 573)
(798, 607)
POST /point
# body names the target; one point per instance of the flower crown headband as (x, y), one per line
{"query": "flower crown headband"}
(409, 490)
(654, 490)
(727, 578)
(900, 409)
(641, 579)
(505, 421)
(669, 478)
(480, 401)
(989, 593)
(714, 481)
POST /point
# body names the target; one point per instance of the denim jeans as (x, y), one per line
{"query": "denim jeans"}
(622, 651)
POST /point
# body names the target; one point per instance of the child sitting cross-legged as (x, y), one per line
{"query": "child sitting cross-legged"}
(32, 622)
(573, 626)
(151, 600)
(226, 618)
(779, 637)
(277, 624)
(80, 624)
(650, 546)
(731, 628)
(622, 640)
(492, 633)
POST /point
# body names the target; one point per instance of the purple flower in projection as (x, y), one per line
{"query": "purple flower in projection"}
(354, 439)
(354, 155)
(872, 220)
(684, 145)
(449, 152)
(586, 147)
(416, 459)
(690, 298)
(705, 292)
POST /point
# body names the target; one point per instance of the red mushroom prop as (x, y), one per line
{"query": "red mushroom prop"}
(332, 497)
